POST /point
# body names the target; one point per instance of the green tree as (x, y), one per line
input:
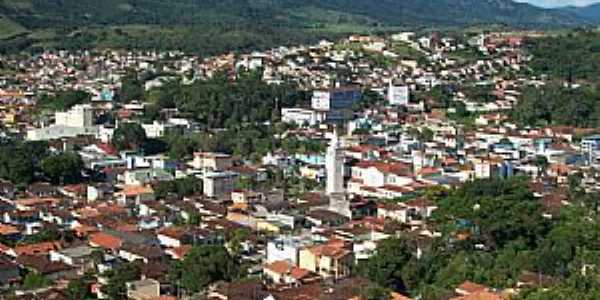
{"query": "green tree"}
(385, 267)
(20, 161)
(64, 100)
(126, 272)
(238, 237)
(541, 162)
(35, 281)
(129, 136)
(181, 187)
(203, 265)
(497, 211)
(375, 292)
(131, 87)
(64, 168)
(78, 289)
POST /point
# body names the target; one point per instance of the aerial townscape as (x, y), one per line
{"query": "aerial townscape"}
(309, 151)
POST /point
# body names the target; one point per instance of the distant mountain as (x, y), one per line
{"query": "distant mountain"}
(237, 24)
(590, 12)
(38, 13)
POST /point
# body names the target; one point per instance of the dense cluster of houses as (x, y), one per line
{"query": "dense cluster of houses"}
(304, 245)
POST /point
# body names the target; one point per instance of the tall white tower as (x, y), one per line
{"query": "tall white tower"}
(334, 162)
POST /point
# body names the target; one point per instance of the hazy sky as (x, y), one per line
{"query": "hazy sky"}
(555, 3)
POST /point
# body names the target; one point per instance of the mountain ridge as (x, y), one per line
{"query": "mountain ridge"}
(590, 12)
(240, 24)
(38, 13)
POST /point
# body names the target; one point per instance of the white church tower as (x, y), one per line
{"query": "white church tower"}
(334, 163)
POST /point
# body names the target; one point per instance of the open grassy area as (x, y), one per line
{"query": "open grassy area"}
(404, 50)
(8, 28)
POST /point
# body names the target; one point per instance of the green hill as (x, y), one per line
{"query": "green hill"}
(210, 26)
(590, 12)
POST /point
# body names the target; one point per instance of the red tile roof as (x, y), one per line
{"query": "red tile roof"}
(105, 241)
(396, 168)
(135, 190)
(107, 148)
(180, 252)
(37, 249)
(280, 267)
(469, 287)
(8, 229)
(480, 296)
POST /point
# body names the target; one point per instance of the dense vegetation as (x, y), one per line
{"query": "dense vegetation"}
(63, 100)
(557, 104)
(574, 56)
(214, 26)
(180, 187)
(23, 162)
(570, 96)
(64, 168)
(202, 266)
(220, 103)
(494, 231)
(249, 142)
(129, 136)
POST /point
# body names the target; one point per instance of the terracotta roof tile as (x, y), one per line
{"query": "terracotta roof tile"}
(37, 249)
(280, 267)
(469, 287)
(480, 296)
(134, 190)
(105, 241)
(8, 229)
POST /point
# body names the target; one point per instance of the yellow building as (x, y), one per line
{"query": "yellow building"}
(10, 118)
(312, 172)
(331, 260)
(265, 226)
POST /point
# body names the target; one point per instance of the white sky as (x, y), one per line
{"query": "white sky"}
(558, 3)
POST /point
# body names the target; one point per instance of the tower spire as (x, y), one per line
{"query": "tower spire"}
(335, 166)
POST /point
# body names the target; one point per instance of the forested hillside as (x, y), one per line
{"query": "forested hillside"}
(570, 58)
(209, 26)
(591, 12)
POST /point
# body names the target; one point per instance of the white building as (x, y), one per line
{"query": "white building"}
(403, 36)
(79, 120)
(57, 132)
(156, 129)
(77, 116)
(300, 116)
(483, 169)
(398, 94)
(219, 185)
(143, 289)
(335, 99)
(77, 256)
(286, 249)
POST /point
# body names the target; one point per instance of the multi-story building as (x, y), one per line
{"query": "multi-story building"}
(300, 116)
(79, 120)
(219, 185)
(212, 161)
(335, 99)
(330, 260)
(336, 104)
(398, 94)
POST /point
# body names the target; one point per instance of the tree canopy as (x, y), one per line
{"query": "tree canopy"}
(126, 272)
(129, 136)
(203, 265)
(555, 55)
(219, 102)
(64, 168)
(20, 161)
(64, 100)
(556, 104)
